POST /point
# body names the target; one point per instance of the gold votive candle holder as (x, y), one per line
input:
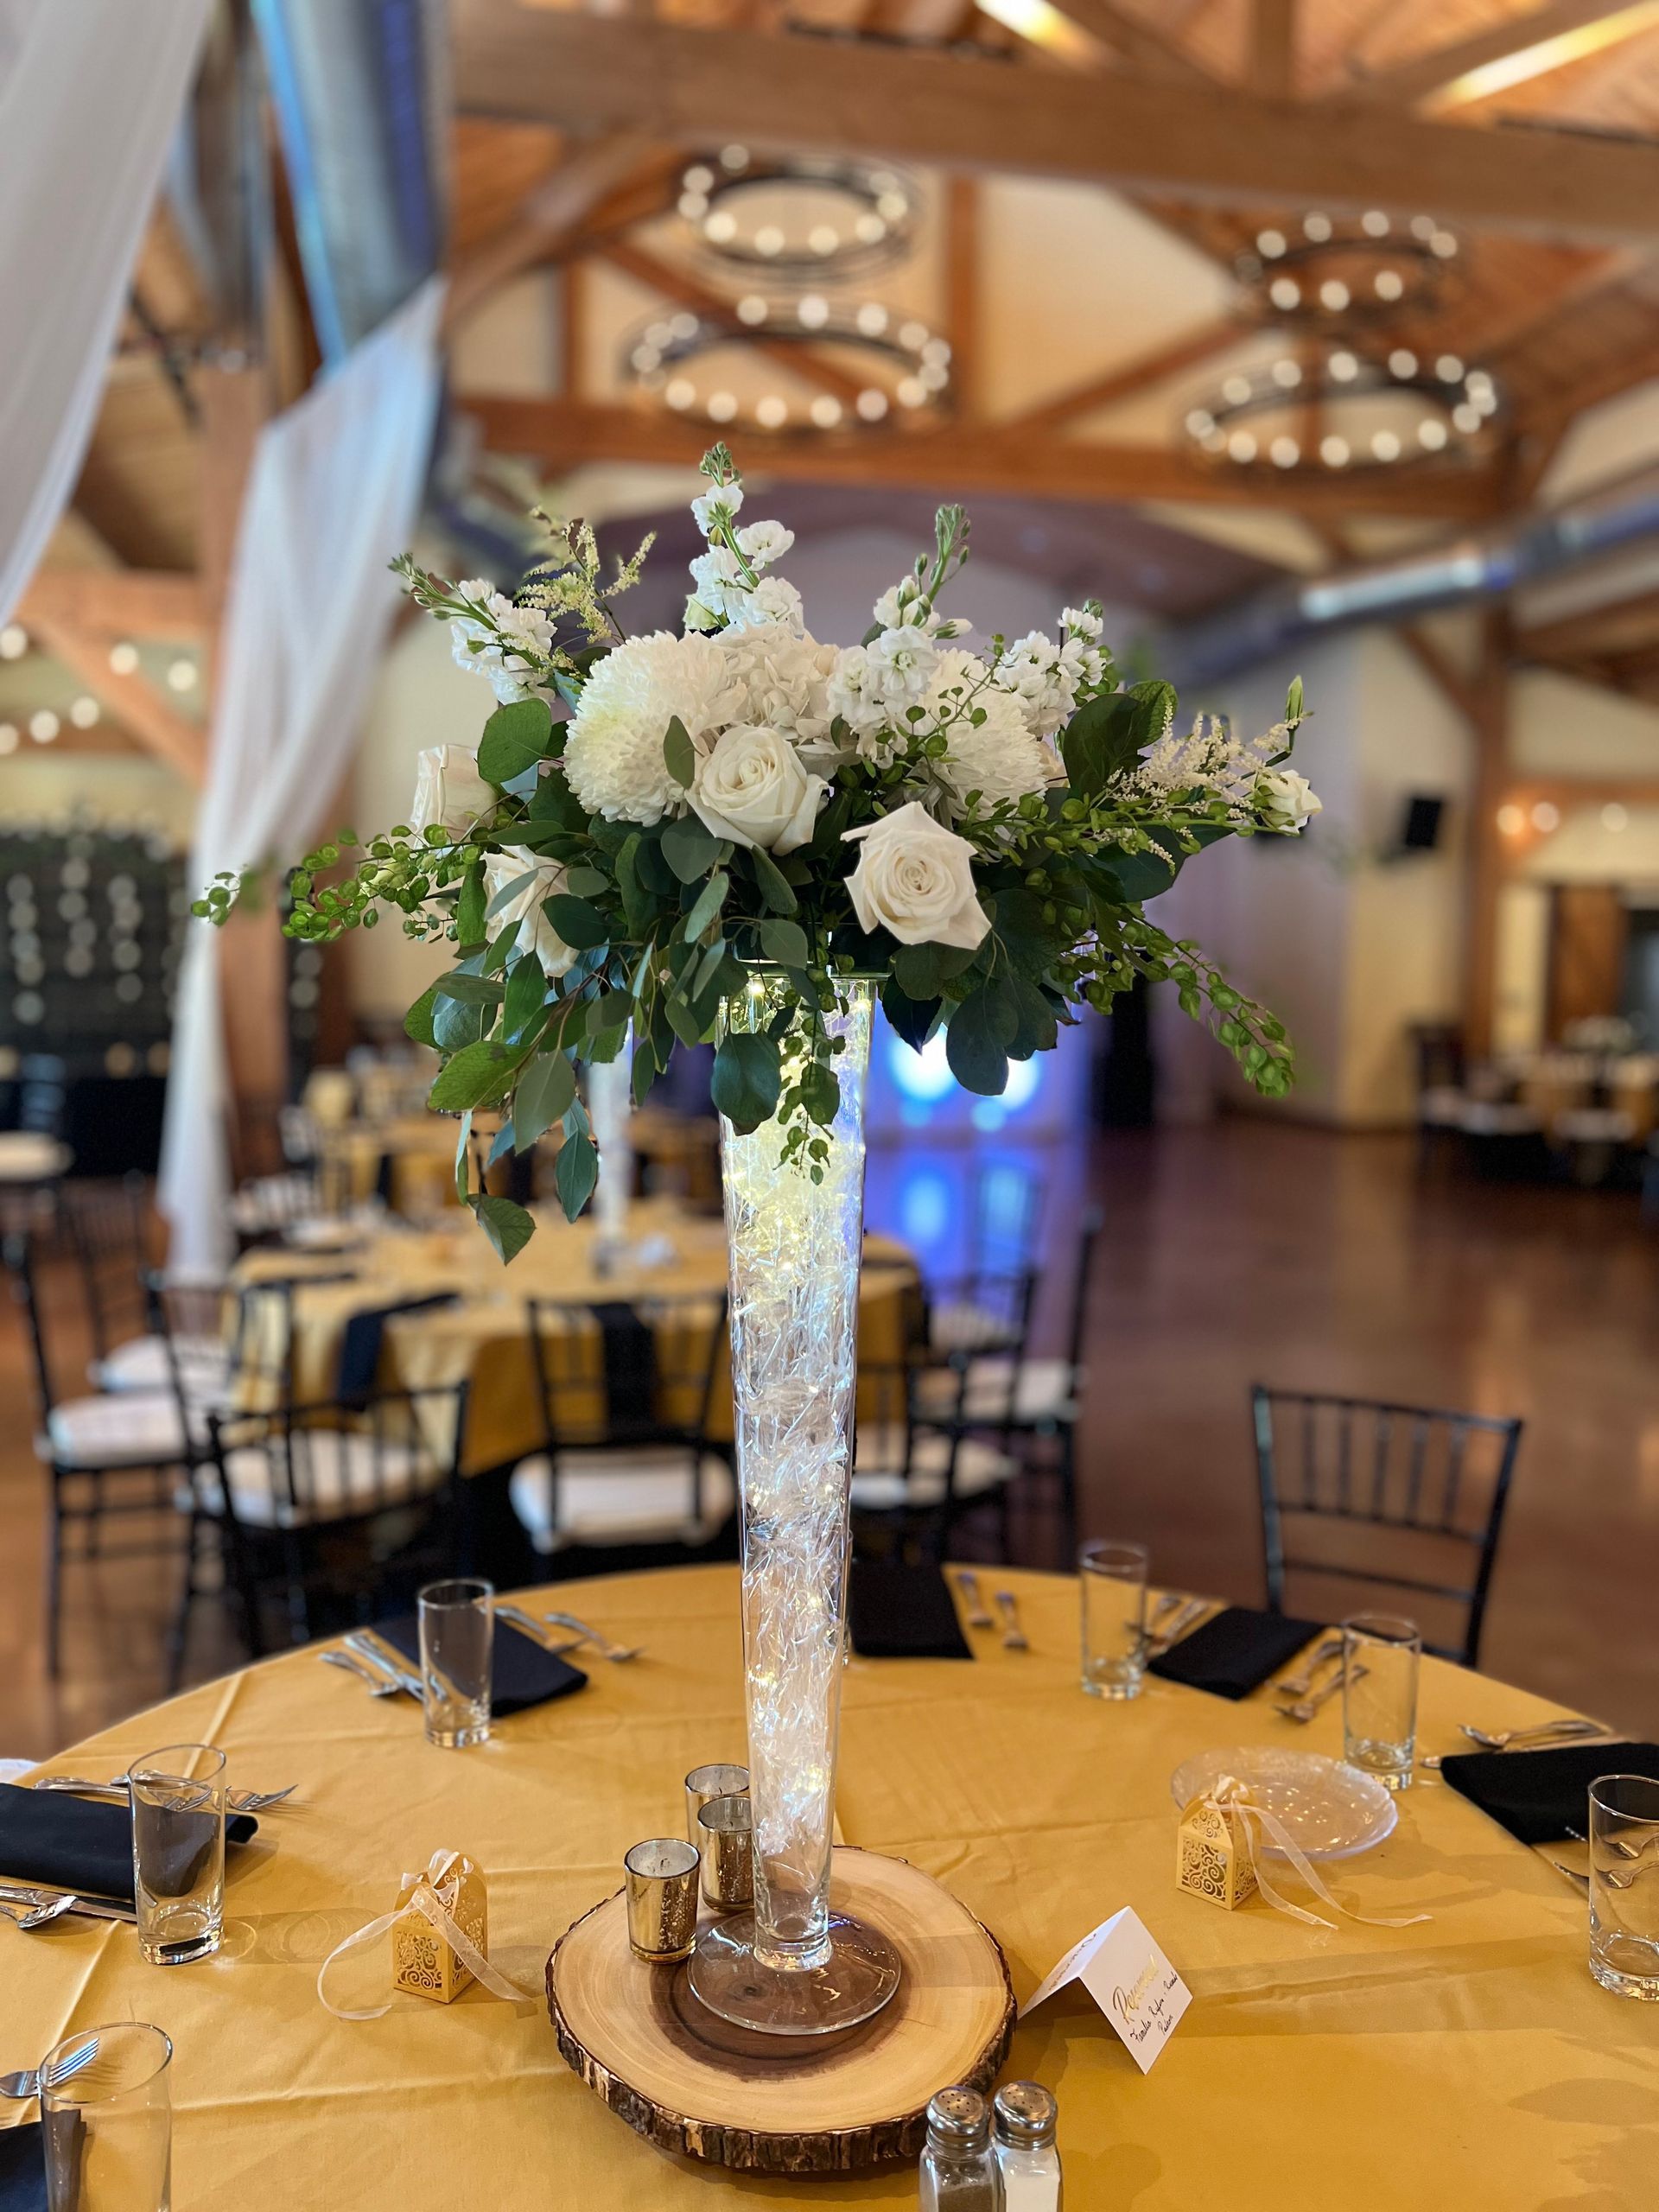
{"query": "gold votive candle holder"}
(727, 1830)
(704, 1783)
(662, 1886)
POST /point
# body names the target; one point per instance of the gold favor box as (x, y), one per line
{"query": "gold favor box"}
(1213, 1853)
(422, 1959)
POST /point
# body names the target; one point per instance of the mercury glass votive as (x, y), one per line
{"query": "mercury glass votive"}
(726, 1827)
(704, 1783)
(662, 1886)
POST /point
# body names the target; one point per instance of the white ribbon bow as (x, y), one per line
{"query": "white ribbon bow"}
(434, 1894)
(1229, 1795)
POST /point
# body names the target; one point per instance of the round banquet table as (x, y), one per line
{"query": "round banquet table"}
(1469, 2062)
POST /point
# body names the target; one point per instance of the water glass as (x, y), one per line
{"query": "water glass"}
(457, 1652)
(1380, 1656)
(1113, 1618)
(178, 1851)
(107, 2120)
(1624, 1885)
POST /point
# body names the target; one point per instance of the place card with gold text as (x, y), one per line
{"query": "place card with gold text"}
(1130, 1979)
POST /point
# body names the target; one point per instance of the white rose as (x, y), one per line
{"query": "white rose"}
(916, 878)
(523, 913)
(1285, 800)
(751, 788)
(449, 790)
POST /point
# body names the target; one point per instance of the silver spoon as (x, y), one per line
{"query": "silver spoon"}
(1013, 1637)
(619, 1652)
(1541, 1731)
(968, 1583)
(37, 1916)
(1300, 1683)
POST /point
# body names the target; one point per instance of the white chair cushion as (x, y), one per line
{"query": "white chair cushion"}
(880, 1486)
(622, 1497)
(141, 1428)
(340, 1474)
(1043, 1390)
(960, 1325)
(142, 1364)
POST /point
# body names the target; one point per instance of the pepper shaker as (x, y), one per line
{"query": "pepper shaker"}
(1026, 2157)
(958, 2170)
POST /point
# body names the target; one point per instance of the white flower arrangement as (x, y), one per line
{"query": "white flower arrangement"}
(646, 819)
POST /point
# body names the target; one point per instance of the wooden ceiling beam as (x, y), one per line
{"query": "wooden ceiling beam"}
(1212, 141)
(1466, 70)
(964, 294)
(1272, 66)
(1132, 376)
(124, 602)
(548, 219)
(182, 745)
(678, 284)
(1149, 51)
(1586, 634)
(560, 435)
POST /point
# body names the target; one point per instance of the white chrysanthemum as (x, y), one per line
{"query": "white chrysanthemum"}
(614, 756)
(998, 758)
(785, 682)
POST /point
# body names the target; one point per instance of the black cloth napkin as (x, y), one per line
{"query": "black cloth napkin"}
(1539, 1795)
(630, 1353)
(1234, 1653)
(78, 1843)
(22, 2168)
(902, 1612)
(359, 1347)
(522, 1674)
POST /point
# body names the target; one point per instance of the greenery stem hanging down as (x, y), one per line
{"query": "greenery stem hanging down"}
(646, 820)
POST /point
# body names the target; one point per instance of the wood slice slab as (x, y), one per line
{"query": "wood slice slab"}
(774, 2104)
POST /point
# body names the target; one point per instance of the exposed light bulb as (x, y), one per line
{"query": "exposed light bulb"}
(1317, 228)
(1344, 366)
(1546, 817)
(1270, 244)
(1284, 452)
(772, 412)
(1334, 295)
(14, 641)
(1334, 451)
(872, 403)
(1511, 821)
(722, 406)
(825, 411)
(1402, 362)
(44, 725)
(1374, 223)
(813, 311)
(1385, 445)
(751, 309)
(124, 657)
(1388, 284)
(182, 675)
(84, 711)
(1285, 293)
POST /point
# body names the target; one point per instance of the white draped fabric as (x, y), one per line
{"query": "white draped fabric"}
(90, 93)
(333, 495)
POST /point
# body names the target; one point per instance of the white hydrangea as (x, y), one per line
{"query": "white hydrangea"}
(509, 649)
(785, 681)
(613, 755)
(999, 757)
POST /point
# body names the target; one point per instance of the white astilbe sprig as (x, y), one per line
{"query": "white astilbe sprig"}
(1209, 763)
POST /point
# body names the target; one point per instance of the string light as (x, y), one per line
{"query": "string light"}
(124, 657)
(44, 725)
(1347, 269)
(84, 711)
(182, 675)
(1511, 821)
(803, 215)
(14, 641)
(1546, 817)
(1238, 421)
(659, 358)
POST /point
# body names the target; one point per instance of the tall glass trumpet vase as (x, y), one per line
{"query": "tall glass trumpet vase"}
(793, 1967)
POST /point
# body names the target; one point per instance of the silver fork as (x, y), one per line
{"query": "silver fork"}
(240, 1800)
(1306, 1707)
(15, 1893)
(968, 1583)
(380, 1685)
(28, 2082)
(601, 1642)
(1184, 1619)
(1300, 1683)
(35, 1915)
(1565, 1731)
(516, 1616)
(390, 1666)
(1013, 1637)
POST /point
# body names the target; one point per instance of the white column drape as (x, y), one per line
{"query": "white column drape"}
(90, 94)
(333, 495)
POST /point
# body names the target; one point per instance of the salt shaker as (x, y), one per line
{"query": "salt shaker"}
(958, 2166)
(1026, 2155)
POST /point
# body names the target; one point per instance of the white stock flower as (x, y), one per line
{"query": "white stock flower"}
(915, 879)
(1081, 622)
(998, 758)
(902, 662)
(854, 692)
(722, 502)
(449, 793)
(1044, 677)
(523, 914)
(613, 755)
(752, 789)
(763, 542)
(772, 601)
(716, 573)
(1286, 800)
(509, 649)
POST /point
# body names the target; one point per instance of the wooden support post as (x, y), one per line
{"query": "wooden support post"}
(1491, 702)
(962, 299)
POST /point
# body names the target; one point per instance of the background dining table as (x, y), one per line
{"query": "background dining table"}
(1468, 2061)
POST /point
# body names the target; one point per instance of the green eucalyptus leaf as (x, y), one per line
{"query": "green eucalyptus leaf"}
(643, 1073)
(418, 1022)
(526, 997)
(574, 1173)
(689, 847)
(821, 1093)
(547, 1086)
(480, 1074)
(679, 754)
(509, 892)
(912, 1019)
(506, 1224)
(515, 738)
(706, 906)
(588, 882)
(469, 911)
(457, 1022)
(477, 990)
(747, 1081)
(582, 926)
(976, 1043)
(463, 1160)
(502, 1144)
(773, 884)
(785, 943)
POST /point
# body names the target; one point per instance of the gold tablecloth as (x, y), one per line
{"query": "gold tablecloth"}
(1468, 2062)
(483, 1337)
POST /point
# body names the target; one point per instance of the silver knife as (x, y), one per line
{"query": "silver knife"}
(88, 1908)
(1178, 1627)
(368, 1646)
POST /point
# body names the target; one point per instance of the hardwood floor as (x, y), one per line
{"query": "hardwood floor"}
(1235, 1254)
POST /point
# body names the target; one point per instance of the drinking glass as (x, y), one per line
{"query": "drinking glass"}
(1113, 1618)
(107, 2120)
(1380, 1656)
(457, 1649)
(178, 1851)
(1624, 1885)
